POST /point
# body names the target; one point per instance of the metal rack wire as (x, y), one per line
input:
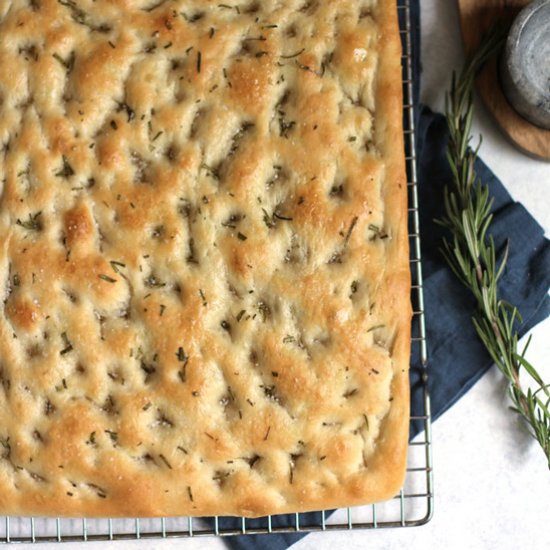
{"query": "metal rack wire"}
(412, 506)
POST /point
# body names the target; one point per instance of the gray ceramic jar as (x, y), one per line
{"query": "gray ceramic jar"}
(525, 65)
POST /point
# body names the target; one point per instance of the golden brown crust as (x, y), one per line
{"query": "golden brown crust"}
(204, 257)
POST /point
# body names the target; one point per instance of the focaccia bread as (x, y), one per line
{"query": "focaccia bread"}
(203, 257)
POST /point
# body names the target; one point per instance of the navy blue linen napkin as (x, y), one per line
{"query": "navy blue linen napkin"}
(456, 357)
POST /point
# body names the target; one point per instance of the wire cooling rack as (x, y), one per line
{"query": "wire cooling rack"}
(412, 506)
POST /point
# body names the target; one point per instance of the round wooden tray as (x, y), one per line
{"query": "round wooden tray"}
(476, 16)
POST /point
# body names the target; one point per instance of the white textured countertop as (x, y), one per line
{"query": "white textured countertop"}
(492, 486)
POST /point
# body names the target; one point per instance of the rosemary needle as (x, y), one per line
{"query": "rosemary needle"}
(471, 253)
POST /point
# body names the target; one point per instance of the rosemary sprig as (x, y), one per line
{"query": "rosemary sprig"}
(471, 254)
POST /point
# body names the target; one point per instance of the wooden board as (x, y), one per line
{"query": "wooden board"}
(476, 16)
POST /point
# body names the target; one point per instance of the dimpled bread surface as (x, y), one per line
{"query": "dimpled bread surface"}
(203, 257)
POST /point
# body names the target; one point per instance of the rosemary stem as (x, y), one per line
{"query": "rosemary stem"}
(472, 255)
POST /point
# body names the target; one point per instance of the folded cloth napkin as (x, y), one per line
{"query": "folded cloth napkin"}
(456, 357)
